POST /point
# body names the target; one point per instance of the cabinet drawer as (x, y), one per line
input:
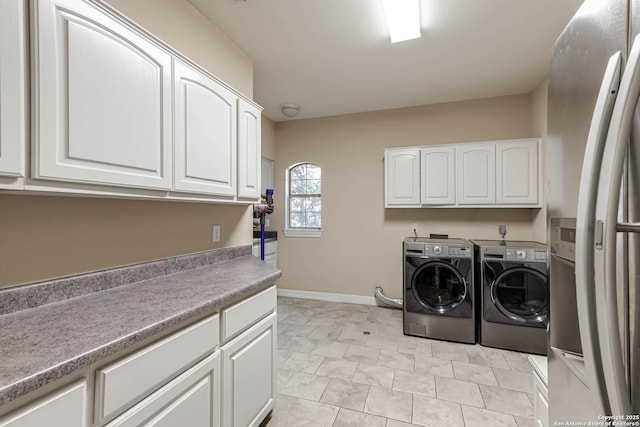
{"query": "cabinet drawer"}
(65, 408)
(239, 317)
(191, 399)
(123, 383)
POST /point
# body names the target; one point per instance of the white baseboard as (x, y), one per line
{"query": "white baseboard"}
(326, 296)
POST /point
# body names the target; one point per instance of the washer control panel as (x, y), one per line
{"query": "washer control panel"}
(447, 250)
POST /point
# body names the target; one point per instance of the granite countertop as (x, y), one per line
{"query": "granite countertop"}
(41, 344)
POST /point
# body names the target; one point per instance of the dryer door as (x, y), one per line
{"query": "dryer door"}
(439, 286)
(521, 294)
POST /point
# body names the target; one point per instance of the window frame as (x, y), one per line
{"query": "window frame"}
(299, 231)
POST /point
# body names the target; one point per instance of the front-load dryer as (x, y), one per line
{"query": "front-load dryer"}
(438, 289)
(514, 295)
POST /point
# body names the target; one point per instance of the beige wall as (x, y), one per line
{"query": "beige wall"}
(184, 28)
(361, 243)
(43, 237)
(268, 138)
(539, 123)
(46, 237)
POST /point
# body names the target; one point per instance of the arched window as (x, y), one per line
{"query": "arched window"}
(304, 200)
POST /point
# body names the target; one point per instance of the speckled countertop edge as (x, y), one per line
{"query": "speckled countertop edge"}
(51, 341)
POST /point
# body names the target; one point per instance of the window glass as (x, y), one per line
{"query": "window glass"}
(304, 196)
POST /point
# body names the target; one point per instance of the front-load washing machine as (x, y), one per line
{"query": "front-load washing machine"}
(438, 289)
(514, 295)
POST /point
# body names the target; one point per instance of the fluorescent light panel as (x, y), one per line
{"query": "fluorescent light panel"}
(403, 19)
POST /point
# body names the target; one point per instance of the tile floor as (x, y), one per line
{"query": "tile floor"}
(350, 365)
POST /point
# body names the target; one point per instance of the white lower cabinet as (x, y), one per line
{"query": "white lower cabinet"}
(192, 399)
(540, 390)
(125, 382)
(248, 364)
(64, 408)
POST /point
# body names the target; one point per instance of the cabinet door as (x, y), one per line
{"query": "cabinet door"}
(249, 150)
(438, 175)
(402, 177)
(476, 174)
(102, 96)
(64, 408)
(248, 365)
(517, 172)
(206, 136)
(13, 76)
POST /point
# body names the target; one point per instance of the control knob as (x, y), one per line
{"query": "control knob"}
(437, 250)
(521, 254)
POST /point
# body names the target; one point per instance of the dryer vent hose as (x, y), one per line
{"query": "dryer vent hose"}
(385, 301)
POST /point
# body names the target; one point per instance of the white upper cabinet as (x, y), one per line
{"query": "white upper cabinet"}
(206, 134)
(480, 174)
(438, 175)
(249, 150)
(476, 174)
(13, 75)
(402, 177)
(517, 172)
(102, 96)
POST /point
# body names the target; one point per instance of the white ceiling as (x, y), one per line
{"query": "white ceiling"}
(334, 56)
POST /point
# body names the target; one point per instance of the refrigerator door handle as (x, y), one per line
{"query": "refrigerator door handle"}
(628, 227)
(586, 224)
(607, 205)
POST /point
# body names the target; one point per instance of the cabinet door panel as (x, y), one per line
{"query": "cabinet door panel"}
(476, 174)
(517, 172)
(249, 150)
(191, 399)
(438, 176)
(13, 76)
(249, 375)
(192, 409)
(205, 145)
(402, 177)
(64, 408)
(103, 99)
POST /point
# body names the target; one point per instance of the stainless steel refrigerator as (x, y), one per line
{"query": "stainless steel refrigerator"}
(593, 152)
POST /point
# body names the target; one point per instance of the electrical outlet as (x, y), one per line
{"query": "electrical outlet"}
(414, 228)
(216, 233)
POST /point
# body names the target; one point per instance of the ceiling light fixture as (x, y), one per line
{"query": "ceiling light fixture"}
(289, 110)
(403, 19)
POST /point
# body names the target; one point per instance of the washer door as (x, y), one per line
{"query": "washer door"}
(438, 286)
(521, 294)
